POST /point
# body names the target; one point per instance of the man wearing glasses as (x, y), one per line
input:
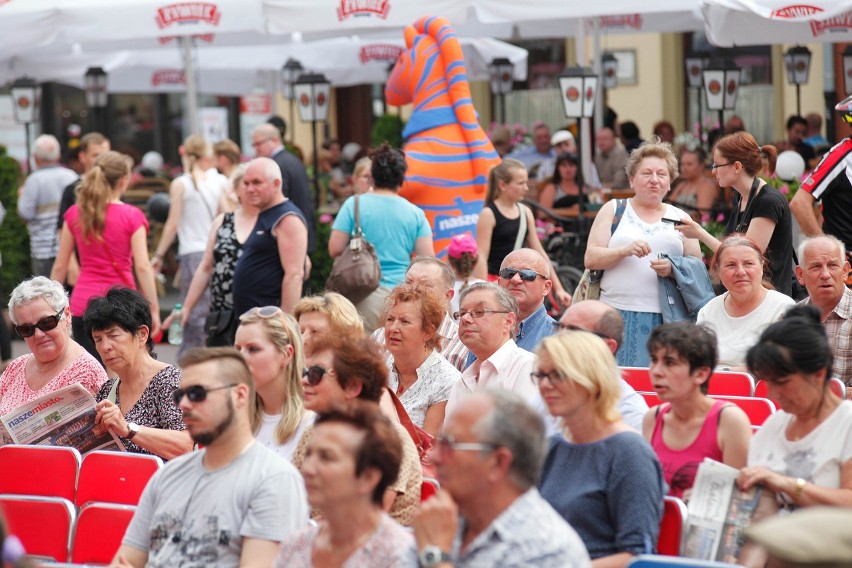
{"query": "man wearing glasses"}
(488, 511)
(486, 327)
(526, 276)
(229, 504)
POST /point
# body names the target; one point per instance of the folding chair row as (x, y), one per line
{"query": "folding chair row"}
(757, 409)
(728, 383)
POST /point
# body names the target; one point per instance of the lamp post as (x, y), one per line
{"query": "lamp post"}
(609, 75)
(312, 90)
(797, 62)
(289, 73)
(694, 69)
(501, 70)
(25, 103)
(578, 87)
(96, 96)
(722, 85)
(847, 69)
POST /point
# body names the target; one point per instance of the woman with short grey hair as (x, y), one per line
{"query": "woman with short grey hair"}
(39, 309)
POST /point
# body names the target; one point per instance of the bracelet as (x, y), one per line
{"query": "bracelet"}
(800, 486)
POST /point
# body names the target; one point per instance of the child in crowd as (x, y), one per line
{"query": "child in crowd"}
(462, 256)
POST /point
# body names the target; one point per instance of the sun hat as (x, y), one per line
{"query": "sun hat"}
(561, 136)
(461, 244)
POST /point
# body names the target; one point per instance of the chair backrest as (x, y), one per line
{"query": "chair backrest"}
(98, 532)
(638, 377)
(43, 524)
(39, 470)
(658, 561)
(837, 387)
(651, 399)
(115, 477)
(671, 527)
(731, 383)
(757, 409)
(428, 488)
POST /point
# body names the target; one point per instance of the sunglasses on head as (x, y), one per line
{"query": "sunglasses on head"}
(527, 274)
(45, 324)
(196, 393)
(264, 312)
(314, 374)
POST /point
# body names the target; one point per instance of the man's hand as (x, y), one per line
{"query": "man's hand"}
(436, 522)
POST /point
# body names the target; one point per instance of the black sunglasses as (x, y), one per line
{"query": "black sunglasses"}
(45, 324)
(314, 374)
(196, 393)
(527, 274)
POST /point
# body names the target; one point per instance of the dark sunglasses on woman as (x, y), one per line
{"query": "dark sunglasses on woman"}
(314, 374)
(45, 324)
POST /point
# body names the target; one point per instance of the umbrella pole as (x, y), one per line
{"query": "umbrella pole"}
(191, 86)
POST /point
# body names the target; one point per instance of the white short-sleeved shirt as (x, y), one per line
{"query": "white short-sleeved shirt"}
(266, 434)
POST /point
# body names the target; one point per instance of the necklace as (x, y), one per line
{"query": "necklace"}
(53, 363)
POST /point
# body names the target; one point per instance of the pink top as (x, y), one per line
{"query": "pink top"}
(14, 390)
(97, 271)
(680, 466)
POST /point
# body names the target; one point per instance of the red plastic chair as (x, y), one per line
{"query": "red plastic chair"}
(115, 477)
(39, 470)
(731, 383)
(837, 387)
(98, 532)
(671, 527)
(428, 488)
(638, 377)
(43, 524)
(757, 409)
(761, 389)
(651, 399)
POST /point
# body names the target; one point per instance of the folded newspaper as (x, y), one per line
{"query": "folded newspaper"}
(65, 417)
(718, 513)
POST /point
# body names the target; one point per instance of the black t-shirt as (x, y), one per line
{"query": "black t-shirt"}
(69, 197)
(503, 238)
(770, 203)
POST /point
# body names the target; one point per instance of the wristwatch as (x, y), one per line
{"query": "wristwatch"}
(432, 556)
(132, 429)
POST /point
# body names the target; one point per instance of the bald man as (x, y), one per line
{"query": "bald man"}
(526, 274)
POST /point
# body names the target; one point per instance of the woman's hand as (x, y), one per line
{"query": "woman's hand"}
(756, 475)
(638, 248)
(690, 228)
(109, 416)
(662, 266)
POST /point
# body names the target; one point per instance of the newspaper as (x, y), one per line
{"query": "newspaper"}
(65, 417)
(718, 513)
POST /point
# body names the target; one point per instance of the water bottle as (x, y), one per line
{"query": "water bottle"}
(176, 329)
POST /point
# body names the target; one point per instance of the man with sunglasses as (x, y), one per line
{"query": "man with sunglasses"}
(229, 504)
(604, 321)
(488, 511)
(831, 184)
(525, 273)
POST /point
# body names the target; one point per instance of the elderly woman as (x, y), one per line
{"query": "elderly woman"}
(137, 405)
(270, 343)
(804, 452)
(760, 210)
(39, 309)
(739, 315)
(599, 474)
(690, 426)
(420, 376)
(628, 248)
(350, 369)
(394, 226)
(324, 317)
(353, 457)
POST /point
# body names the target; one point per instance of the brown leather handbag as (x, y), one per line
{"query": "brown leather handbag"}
(356, 273)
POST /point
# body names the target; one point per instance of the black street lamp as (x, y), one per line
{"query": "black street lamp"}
(313, 90)
(695, 80)
(501, 70)
(721, 86)
(609, 66)
(96, 96)
(25, 105)
(290, 71)
(797, 62)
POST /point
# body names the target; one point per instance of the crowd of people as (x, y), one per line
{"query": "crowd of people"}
(294, 425)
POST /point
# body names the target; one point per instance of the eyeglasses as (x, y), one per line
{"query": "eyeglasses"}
(572, 327)
(553, 376)
(445, 443)
(477, 313)
(45, 324)
(527, 274)
(314, 374)
(196, 393)
(715, 166)
(265, 312)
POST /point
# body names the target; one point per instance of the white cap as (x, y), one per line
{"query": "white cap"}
(561, 136)
(153, 161)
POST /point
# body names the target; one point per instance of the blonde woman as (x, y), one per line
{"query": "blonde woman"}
(324, 317)
(111, 240)
(599, 474)
(196, 197)
(269, 340)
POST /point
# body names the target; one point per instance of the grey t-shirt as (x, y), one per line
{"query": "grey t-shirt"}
(191, 517)
(38, 206)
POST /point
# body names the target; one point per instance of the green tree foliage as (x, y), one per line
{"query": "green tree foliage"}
(388, 128)
(14, 239)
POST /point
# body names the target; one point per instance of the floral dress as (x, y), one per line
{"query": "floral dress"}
(226, 250)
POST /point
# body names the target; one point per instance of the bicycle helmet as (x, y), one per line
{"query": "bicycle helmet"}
(844, 107)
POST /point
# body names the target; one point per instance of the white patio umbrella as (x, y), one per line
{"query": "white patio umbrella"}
(754, 22)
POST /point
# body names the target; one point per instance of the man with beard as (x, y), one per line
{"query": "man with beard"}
(229, 504)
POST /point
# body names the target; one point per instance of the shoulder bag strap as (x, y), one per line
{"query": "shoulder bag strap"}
(357, 231)
(522, 229)
(620, 206)
(200, 196)
(114, 263)
(404, 419)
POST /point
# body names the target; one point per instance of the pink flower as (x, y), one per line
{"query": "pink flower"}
(785, 189)
(720, 218)
(705, 217)
(326, 218)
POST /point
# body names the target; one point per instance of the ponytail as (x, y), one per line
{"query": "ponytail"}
(501, 173)
(97, 189)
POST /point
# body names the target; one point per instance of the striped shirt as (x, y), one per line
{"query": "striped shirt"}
(838, 327)
(452, 348)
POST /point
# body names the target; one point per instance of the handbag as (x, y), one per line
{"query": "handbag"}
(356, 273)
(220, 327)
(422, 439)
(589, 287)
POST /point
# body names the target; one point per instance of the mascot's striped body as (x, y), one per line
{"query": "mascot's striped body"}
(448, 153)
